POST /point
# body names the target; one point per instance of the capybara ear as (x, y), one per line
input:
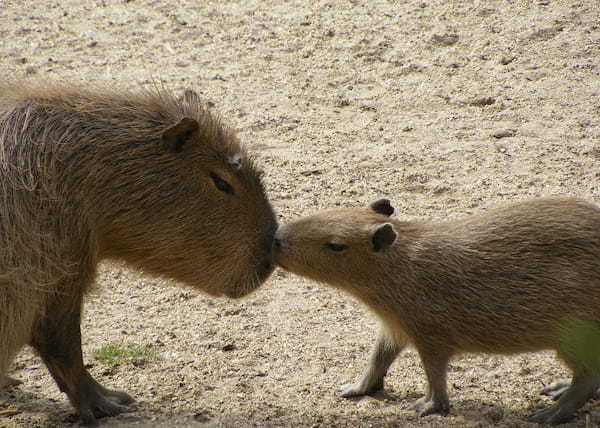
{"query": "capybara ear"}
(383, 206)
(383, 236)
(175, 137)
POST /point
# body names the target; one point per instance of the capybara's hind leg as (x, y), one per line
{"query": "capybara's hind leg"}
(583, 387)
(383, 355)
(57, 339)
(556, 389)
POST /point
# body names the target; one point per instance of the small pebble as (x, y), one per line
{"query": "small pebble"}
(481, 102)
(505, 60)
(504, 133)
(447, 39)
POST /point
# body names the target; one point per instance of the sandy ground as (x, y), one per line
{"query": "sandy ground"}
(445, 107)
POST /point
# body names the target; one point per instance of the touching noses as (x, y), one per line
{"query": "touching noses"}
(279, 243)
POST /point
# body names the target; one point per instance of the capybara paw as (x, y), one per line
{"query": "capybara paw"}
(352, 390)
(418, 405)
(106, 403)
(556, 389)
(118, 396)
(426, 407)
(553, 415)
(361, 388)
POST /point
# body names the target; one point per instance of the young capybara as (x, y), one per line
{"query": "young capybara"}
(147, 178)
(521, 278)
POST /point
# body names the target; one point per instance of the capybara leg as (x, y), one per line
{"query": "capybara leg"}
(57, 339)
(435, 400)
(383, 355)
(556, 389)
(583, 387)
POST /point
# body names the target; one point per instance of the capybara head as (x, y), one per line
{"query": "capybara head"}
(334, 246)
(157, 180)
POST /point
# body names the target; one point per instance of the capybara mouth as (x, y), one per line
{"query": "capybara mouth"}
(243, 288)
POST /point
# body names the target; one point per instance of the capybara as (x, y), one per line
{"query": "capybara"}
(520, 278)
(144, 177)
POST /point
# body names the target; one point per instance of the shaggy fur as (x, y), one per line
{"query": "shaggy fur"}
(146, 178)
(508, 280)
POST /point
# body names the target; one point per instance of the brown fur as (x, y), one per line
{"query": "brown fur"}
(503, 281)
(94, 174)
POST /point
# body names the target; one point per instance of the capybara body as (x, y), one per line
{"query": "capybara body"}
(147, 178)
(513, 279)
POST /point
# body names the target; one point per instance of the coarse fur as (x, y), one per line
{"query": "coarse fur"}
(147, 178)
(505, 281)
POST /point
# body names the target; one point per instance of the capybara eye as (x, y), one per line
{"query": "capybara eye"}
(336, 247)
(221, 184)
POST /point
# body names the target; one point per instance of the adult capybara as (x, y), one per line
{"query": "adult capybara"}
(148, 178)
(521, 278)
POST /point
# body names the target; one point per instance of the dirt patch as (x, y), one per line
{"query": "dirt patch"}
(446, 108)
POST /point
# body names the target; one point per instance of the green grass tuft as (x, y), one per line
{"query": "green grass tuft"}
(115, 355)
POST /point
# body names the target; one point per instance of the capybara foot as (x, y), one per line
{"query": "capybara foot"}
(361, 388)
(100, 403)
(553, 415)
(426, 407)
(571, 399)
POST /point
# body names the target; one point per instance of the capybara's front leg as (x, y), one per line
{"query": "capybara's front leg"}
(383, 355)
(435, 401)
(57, 339)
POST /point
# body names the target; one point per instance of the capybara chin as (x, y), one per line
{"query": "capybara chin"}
(148, 178)
(521, 278)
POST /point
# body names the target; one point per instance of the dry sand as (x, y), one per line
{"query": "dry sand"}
(445, 107)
